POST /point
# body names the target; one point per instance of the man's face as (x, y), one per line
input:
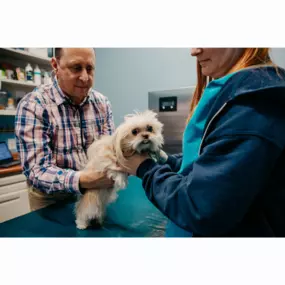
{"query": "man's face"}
(75, 72)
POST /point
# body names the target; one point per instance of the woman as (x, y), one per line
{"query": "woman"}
(230, 179)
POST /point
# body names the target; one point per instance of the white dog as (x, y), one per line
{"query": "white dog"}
(140, 132)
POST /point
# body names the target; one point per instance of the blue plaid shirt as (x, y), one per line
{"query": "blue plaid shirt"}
(53, 135)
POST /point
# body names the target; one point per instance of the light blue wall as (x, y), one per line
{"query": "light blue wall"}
(278, 56)
(126, 75)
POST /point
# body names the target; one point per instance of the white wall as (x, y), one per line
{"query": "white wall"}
(126, 75)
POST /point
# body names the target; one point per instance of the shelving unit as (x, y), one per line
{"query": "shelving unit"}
(16, 88)
(7, 112)
(20, 58)
(25, 56)
(13, 187)
(22, 84)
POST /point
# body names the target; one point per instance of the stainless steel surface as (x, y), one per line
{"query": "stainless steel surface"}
(174, 121)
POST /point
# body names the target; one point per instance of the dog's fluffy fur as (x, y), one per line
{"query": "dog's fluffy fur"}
(140, 132)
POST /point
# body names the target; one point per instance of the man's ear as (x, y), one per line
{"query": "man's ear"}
(54, 65)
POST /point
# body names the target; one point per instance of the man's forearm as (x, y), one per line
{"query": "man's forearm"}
(51, 179)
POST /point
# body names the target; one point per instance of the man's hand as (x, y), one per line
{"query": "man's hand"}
(90, 179)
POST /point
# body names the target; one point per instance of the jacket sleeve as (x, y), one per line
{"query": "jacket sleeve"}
(219, 187)
(174, 161)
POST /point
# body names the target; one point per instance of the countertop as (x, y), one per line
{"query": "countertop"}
(11, 170)
(132, 215)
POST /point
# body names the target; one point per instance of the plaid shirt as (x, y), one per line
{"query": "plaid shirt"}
(53, 135)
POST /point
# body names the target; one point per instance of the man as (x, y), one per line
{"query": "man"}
(54, 126)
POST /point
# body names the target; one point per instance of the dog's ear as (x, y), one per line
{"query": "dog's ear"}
(117, 139)
(150, 114)
(153, 116)
(129, 116)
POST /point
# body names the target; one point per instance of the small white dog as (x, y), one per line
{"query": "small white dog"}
(140, 132)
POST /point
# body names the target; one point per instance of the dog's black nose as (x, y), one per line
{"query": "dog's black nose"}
(145, 136)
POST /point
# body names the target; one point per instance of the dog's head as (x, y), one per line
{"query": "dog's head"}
(140, 132)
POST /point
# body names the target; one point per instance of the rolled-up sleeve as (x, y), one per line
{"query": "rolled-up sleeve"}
(32, 130)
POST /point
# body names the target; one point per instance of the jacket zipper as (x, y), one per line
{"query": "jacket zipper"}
(218, 112)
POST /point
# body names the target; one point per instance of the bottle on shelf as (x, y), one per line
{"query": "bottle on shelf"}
(37, 75)
(47, 79)
(29, 73)
(10, 105)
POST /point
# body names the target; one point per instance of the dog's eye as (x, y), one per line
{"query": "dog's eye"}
(149, 129)
(135, 132)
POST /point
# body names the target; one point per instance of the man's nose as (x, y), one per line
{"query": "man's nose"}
(84, 75)
(196, 51)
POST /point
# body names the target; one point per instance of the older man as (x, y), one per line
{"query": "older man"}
(56, 123)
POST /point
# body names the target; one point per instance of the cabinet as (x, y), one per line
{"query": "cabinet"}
(14, 199)
(19, 58)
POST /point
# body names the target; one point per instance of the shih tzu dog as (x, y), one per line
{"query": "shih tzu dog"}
(140, 132)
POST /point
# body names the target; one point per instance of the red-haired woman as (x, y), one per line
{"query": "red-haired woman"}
(230, 179)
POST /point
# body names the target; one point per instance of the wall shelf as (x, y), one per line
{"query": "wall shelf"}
(19, 83)
(25, 56)
(7, 112)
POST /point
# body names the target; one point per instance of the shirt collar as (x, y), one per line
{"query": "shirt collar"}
(60, 97)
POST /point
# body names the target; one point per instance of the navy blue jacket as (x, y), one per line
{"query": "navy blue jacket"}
(236, 187)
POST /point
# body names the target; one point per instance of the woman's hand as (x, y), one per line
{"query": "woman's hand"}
(133, 162)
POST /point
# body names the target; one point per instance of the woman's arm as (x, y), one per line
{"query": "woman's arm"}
(235, 165)
(220, 187)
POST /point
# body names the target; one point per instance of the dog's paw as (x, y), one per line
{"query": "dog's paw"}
(162, 157)
(113, 197)
(121, 181)
(81, 225)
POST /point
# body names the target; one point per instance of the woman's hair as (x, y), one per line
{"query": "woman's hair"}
(250, 56)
